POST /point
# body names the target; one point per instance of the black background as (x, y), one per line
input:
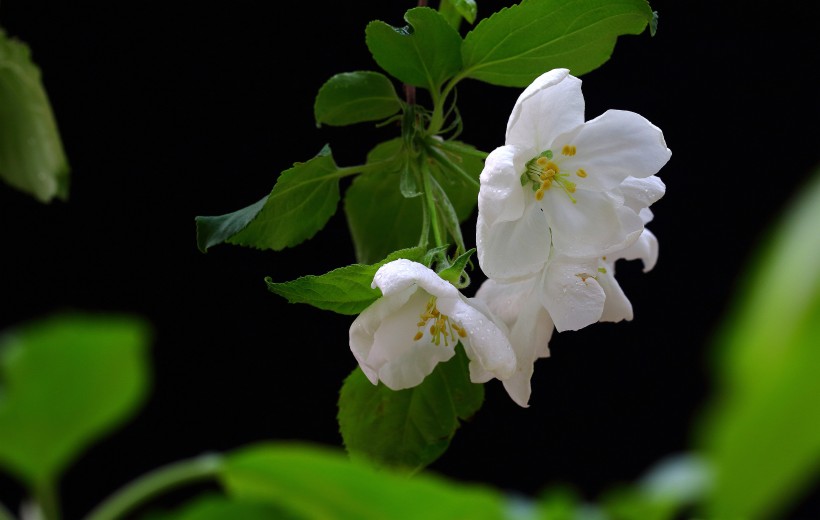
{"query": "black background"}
(177, 109)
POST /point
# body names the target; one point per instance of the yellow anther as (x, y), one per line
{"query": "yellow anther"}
(539, 194)
(568, 150)
(570, 187)
(546, 184)
(418, 336)
(581, 173)
(420, 324)
(542, 161)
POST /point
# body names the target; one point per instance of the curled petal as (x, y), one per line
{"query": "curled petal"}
(501, 197)
(551, 105)
(644, 249)
(639, 194)
(570, 293)
(486, 342)
(398, 275)
(614, 146)
(617, 306)
(509, 250)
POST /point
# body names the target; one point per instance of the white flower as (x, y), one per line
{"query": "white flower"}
(520, 308)
(417, 323)
(556, 183)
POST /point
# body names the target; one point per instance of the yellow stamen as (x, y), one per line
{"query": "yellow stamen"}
(568, 149)
(542, 161)
(418, 336)
(581, 173)
(539, 194)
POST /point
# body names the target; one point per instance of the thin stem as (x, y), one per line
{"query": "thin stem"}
(159, 481)
(5, 514)
(462, 149)
(347, 171)
(445, 161)
(431, 206)
(45, 496)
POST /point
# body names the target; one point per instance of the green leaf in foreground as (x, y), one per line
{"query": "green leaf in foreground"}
(31, 153)
(300, 204)
(519, 43)
(318, 482)
(410, 428)
(345, 290)
(355, 97)
(64, 382)
(762, 434)
(425, 53)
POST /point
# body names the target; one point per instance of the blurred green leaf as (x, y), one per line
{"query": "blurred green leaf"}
(518, 43)
(321, 483)
(222, 508)
(355, 97)
(762, 433)
(424, 53)
(64, 382)
(409, 428)
(31, 153)
(345, 290)
(300, 204)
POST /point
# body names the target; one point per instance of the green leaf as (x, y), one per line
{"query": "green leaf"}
(380, 218)
(222, 508)
(345, 290)
(321, 483)
(410, 428)
(454, 10)
(355, 97)
(519, 43)
(64, 382)
(425, 53)
(302, 201)
(461, 187)
(762, 432)
(31, 153)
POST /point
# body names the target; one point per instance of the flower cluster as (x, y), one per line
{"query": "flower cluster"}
(560, 202)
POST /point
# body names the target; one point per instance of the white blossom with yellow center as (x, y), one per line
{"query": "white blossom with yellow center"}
(401, 337)
(555, 184)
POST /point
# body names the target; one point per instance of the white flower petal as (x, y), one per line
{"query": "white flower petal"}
(612, 147)
(500, 196)
(595, 225)
(486, 344)
(400, 274)
(570, 293)
(644, 249)
(617, 306)
(508, 250)
(639, 194)
(549, 106)
(382, 341)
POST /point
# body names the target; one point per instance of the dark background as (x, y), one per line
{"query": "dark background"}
(177, 109)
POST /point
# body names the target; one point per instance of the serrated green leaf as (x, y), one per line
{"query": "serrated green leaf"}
(64, 382)
(762, 432)
(425, 53)
(345, 290)
(300, 204)
(318, 482)
(31, 152)
(355, 97)
(519, 43)
(409, 428)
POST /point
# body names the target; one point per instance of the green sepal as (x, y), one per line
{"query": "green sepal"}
(65, 381)
(300, 204)
(518, 43)
(424, 53)
(346, 290)
(407, 429)
(31, 152)
(455, 273)
(355, 97)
